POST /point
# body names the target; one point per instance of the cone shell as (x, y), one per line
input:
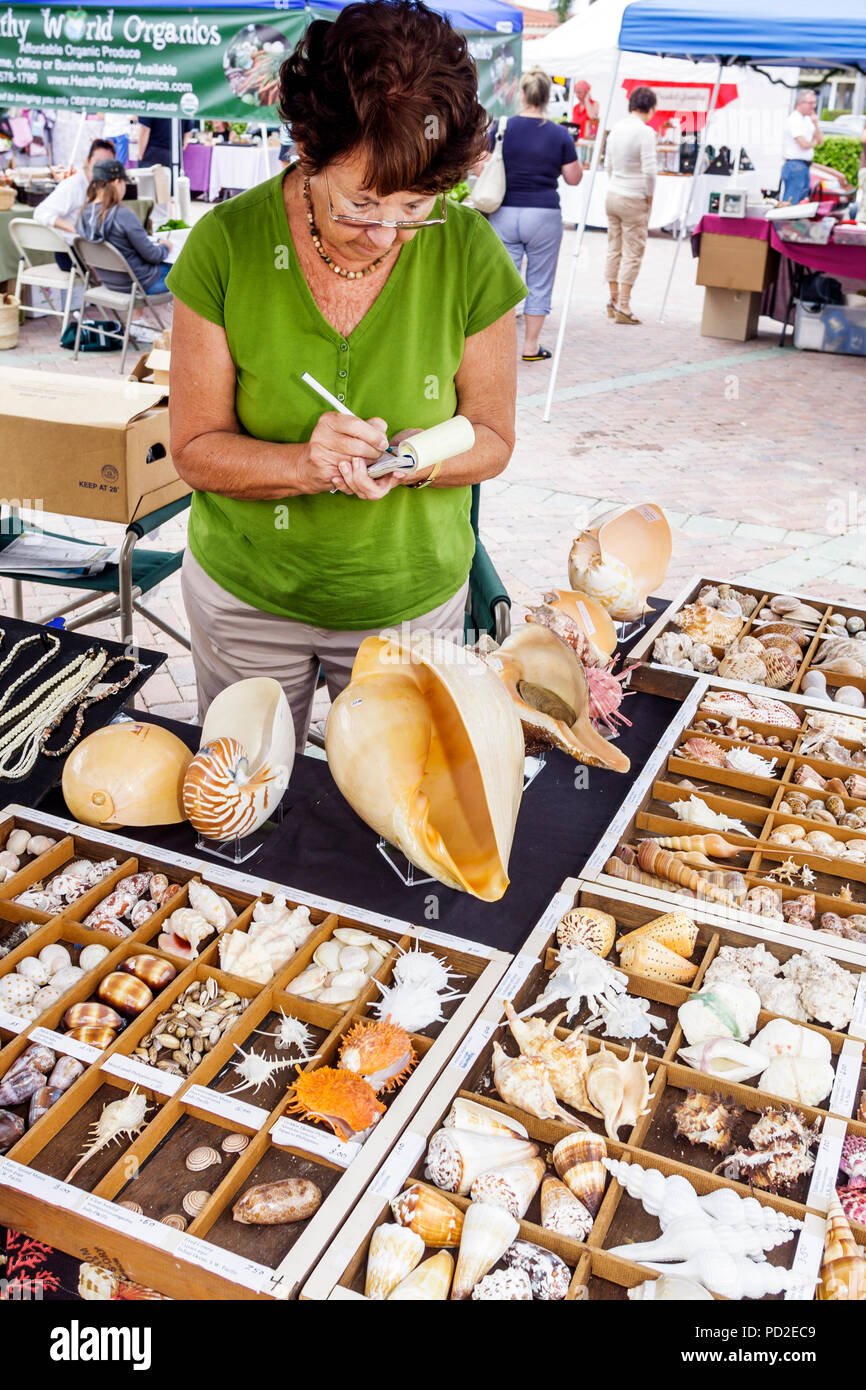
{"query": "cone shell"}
(589, 927)
(675, 930)
(456, 1157)
(622, 558)
(843, 1269)
(130, 996)
(426, 746)
(469, 1114)
(394, 1253)
(430, 1215)
(578, 1160)
(512, 1188)
(126, 774)
(487, 1233)
(562, 1212)
(429, 1283)
(651, 958)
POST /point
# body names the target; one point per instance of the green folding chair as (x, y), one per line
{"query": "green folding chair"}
(118, 590)
(488, 605)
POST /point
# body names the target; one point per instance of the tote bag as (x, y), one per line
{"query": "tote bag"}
(489, 190)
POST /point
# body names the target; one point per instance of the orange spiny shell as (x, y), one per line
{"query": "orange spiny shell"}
(338, 1099)
(381, 1052)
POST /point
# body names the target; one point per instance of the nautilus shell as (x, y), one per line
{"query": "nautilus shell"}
(426, 746)
(238, 777)
(127, 774)
(622, 558)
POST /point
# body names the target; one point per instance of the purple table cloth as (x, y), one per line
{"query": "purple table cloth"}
(196, 166)
(844, 262)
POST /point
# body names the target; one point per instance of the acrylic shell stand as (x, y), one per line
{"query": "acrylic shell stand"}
(240, 848)
(408, 874)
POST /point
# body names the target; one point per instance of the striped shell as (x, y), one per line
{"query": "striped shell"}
(175, 1221)
(589, 927)
(132, 1206)
(780, 669)
(201, 1157)
(221, 798)
(195, 1202)
(234, 1143)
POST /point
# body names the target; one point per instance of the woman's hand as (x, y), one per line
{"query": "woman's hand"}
(337, 456)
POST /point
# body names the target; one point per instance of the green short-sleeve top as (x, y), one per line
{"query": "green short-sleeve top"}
(329, 560)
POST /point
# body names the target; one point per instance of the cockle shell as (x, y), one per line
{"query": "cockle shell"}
(512, 1187)
(781, 1038)
(470, 1114)
(708, 624)
(743, 666)
(579, 1161)
(429, 1282)
(703, 750)
(722, 1009)
(394, 1252)
(523, 1082)
(726, 1059)
(562, 1212)
(426, 746)
(488, 1231)
(843, 1268)
(779, 668)
(126, 774)
(621, 558)
(456, 1157)
(806, 1080)
(430, 1215)
(587, 926)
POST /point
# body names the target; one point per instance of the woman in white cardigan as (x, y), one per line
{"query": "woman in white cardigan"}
(631, 166)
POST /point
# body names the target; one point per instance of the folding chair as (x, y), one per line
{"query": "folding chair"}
(96, 256)
(121, 586)
(28, 236)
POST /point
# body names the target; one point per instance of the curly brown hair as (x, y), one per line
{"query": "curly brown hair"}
(390, 79)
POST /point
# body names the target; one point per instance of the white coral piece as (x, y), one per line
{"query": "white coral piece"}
(695, 811)
(627, 1016)
(580, 975)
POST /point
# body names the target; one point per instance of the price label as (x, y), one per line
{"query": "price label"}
(40, 1185)
(224, 1264)
(649, 512)
(847, 1081)
(826, 1169)
(12, 1023)
(516, 976)
(398, 1165)
(163, 1082)
(552, 915)
(132, 1223)
(61, 1042)
(857, 1026)
(807, 1261)
(586, 616)
(296, 1135)
(454, 943)
(227, 1107)
(476, 1039)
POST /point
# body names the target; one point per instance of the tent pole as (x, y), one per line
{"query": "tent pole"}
(266, 168)
(682, 230)
(78, 134)
(175, 160)
(578, 240)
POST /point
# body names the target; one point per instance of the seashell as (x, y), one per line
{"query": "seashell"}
(15, 989)
(512, 1187)
(343, 987)
(20, 1085)
(622, 558)
(843, 1268)
(356, 958)
(715, 845)
(469, 1114)
(430, 1215)
(849, 695)
(580, 621)
(153, 970)
(734, 1276)
(46, 996)
(92, 1016)
(191, 926)
(11, 1129)
(195, 1202)
(216, 910)
(722, 1009)
(587, 926)
(40, 1102)
(562, 1212)
(779, 668)
(234, 793)
(142, 912)
(565, 1061)
(38, 844)
(242, 955)
(547, 681)
(339, 1099)
(743, 666)
(650, 958)
(130, 996)
(55, 957)
(202, 1157)
(157, 887)
(579, 1161)
(669, 1287)
(429, 1282)
(619, 1089)
(456, 1157)
(703, 750)
(412, 1006)
(126, 774)
(91, 956)
(328, 955)
(235, 1143)
(488, 1231)
(781, 1038)
(112, 925)
(65, 1071)
(394, 1252)
(725, 1059)
(353, 936)
(660, 862)
(36, 1055)
(132, 1206)
(380, 1052)
(175, 1221)
(710, 1120)
(96, 1037)
(32, 969)
(523, 1082)
(17, 842)
(706, 624)
(806, 1080)
(504, 1285)
(549, 1276)
(679, 651)
(688, 1235)
(309, 983)
(675, 930)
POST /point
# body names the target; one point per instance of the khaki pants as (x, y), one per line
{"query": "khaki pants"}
(627, 224)
(232, 641)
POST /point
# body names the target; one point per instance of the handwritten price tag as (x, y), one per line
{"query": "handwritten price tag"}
(132, 1223)
(40, 1185)
(476, 1039)
(516, 976)
(227, 1107)
(60, 1042)
(296, 1135)
(398, 1165)
(847, 1078)
(454, 943)
(857, 1026)
(163, 1082)
(807, 1261)
(224, 1264)
(826, 1169)
(11, 1023)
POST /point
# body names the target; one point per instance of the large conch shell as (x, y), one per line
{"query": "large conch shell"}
(127, 774)
(242, 768)
(547, 682)
(622, 558)
(426, 746)
(579, 621)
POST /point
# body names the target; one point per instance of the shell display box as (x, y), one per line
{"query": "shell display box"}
(159, 1080)
(99, 448)
(440, 1171)
(749, 638)
(756, 805)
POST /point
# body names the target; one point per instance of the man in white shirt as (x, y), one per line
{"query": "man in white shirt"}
(60, 209)
(631, 166)
(802, 134)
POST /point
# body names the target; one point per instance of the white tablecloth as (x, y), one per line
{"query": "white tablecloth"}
(234, 166)
(670, 199)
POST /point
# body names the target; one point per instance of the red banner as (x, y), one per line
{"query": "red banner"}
(684, 102)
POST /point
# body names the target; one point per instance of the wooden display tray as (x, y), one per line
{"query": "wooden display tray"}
(645, 813)
(214, 1257)
(651, 1143)
(666, 680)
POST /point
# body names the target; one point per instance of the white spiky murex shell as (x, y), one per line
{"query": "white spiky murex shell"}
(456, 1157)
(394, 1252)
(694, 1232)
(416, 967)
(695, 811)
(487, 1233)
(470, 1114)
(744, 760)
(412, 1006)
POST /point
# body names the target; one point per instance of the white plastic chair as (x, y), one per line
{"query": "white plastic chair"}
(30, 236)
(100, 255)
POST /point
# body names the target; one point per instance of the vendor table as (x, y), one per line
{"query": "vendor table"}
(237, 166)
(142, 207)
(669, 202)
(196, 166)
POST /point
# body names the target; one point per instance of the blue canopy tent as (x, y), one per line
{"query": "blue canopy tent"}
(758, 33)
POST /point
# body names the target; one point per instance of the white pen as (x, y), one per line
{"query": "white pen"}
(339, 406)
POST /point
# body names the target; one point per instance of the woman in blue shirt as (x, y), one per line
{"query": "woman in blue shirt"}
(529, 222)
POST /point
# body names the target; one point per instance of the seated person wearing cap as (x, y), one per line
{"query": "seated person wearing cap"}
(105, 217)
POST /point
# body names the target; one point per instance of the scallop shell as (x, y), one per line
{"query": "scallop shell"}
(195, 1202)
(708, 625)
(126, 774)
(779, 669)
(394, 1252)
(622, 558)
(743, 666)
(423, 741)
(202, 1157)
(589, 927)
(488, 1231)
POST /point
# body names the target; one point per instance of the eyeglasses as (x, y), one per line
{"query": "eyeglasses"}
(352, 220)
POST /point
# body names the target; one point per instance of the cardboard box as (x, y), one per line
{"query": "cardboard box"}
(735, 262)
(84, 446)
(730, 314)
(153, 368)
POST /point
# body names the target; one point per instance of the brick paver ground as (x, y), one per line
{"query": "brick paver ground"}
(756, 454)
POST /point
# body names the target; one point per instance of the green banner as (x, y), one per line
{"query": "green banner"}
(204, 64)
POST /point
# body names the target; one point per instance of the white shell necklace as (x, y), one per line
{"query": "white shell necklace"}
(23, 739)
(53, 643)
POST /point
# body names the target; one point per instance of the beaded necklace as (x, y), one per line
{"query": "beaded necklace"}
(88, 697)
(317, 242)
(48, 639)
(26, 736)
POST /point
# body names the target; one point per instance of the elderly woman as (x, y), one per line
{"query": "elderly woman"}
(352, 267)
